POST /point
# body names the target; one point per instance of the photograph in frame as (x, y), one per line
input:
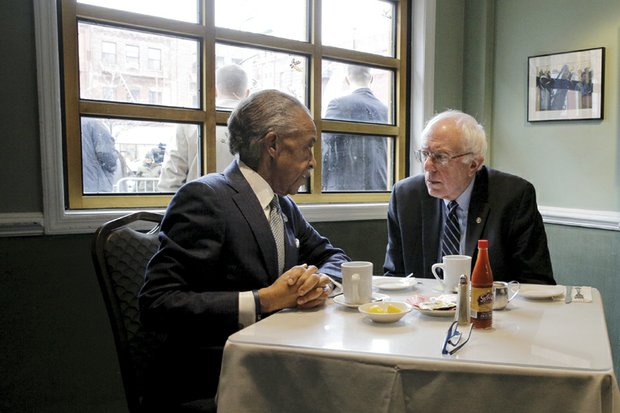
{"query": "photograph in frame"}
(566, 86)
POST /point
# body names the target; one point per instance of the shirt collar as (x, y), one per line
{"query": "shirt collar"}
(261, 188)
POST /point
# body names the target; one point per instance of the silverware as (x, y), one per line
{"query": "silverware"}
(569, 294)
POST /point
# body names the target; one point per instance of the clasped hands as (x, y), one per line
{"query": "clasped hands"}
(301, 287)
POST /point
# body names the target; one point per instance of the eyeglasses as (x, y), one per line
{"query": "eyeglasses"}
(441, 158)
(454, 339)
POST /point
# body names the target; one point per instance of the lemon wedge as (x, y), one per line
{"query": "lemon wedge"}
(376, 309)
(393, 309)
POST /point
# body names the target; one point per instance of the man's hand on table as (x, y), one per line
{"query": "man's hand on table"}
(301, 286)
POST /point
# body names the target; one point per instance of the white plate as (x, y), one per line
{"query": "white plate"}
(437, 313)
(376, 297)
(393, 283)
(385, 317)
(538, 292)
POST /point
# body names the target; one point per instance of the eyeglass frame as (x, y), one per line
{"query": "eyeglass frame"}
(454, 333)
(439, 158)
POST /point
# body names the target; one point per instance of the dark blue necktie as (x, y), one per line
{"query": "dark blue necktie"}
(451, 232)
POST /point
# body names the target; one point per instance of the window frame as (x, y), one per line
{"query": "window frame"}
(316, 206)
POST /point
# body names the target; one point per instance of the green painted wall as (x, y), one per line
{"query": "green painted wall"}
(449, 44)
(572, 164)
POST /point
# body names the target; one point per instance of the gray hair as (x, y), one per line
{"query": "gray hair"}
(473, 137)
(260, 113)
(359, 74)
(231, 80)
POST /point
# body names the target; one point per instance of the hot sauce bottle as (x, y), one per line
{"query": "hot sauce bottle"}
(482, 288)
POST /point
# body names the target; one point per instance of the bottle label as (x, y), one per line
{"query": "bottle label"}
(482, 303)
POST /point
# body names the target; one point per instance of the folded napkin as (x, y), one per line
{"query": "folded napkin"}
(581, 294)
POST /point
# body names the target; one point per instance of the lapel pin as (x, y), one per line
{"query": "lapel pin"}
(478, 220)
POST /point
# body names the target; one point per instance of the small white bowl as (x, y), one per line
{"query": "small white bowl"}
(385, 317)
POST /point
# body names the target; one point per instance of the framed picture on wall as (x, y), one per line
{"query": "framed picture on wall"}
(566, 86)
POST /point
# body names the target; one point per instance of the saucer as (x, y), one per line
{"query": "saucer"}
(393, 283)
(444, 300)
(437, 313)
(540, 292)
(376, 297)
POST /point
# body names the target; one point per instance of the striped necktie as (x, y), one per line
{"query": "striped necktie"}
(277, 228)
(451, 232)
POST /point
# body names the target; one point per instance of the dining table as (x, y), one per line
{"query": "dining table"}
(542, 354)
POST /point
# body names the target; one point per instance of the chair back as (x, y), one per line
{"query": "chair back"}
(121, 250)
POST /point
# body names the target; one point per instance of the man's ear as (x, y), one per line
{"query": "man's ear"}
(271, 143)
(475, 164)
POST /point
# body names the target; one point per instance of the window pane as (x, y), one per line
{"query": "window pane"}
(132, 57)
(357, 162)
(264, 17)
(357, 93)
(268, 70)
(169, 75)
(362, 25)
(120, 156)
(222, 150)
(183, 10)
(183, 160)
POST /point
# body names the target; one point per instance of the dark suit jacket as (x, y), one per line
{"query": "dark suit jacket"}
(216, 242)
(502, 209)
(355, 162)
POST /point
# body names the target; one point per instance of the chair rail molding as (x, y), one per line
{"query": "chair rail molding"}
(21, 224)
(609, 220)
(32, 223)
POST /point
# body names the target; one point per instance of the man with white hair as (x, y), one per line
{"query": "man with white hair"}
(485, 204)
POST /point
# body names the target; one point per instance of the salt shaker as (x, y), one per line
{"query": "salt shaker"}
(462, 302)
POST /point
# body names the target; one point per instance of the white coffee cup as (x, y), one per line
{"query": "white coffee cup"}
(357, 282)
(453, 266)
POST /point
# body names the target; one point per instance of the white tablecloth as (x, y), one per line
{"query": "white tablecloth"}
(541, 355)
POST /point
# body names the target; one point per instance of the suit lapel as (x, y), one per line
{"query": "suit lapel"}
(478, 211)
(248, 204)
(431, 218)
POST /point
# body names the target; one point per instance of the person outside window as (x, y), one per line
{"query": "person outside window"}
(100, 159)
(182, 162)
(355, 162)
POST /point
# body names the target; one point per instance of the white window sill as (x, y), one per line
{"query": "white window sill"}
(28, 224)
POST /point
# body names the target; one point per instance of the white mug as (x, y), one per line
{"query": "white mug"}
(357, 282)
(453, 266)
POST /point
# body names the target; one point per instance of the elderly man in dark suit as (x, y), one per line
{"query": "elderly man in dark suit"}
(489, 204)
(355, 162)
(234, 247)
